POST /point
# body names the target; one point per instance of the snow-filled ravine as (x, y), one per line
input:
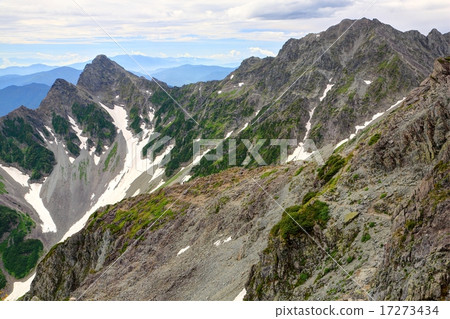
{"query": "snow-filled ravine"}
(300, 154)
(134, 166)
(33, 198)
(79, 131)
(20, 289)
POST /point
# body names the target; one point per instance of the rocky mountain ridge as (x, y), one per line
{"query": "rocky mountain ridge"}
(369, 212)
(89, 141)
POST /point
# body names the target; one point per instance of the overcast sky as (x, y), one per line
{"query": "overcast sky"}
(59, 32)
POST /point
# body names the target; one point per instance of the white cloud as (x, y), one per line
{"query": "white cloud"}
(62, 59)
(262, 51)
(137, 52)
(233, 54)
(185, 55)
(255, 21)
(5, 63)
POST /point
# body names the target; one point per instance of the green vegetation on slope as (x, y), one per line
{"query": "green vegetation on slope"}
(19, 255)
(8, 218)
(308, 197)
(95, 122)
(61, 127)
(374, 139)
(110, 156)
(305, 215)
(2, 187)
(332, 166)
(60, 124)
(21, 144)
(139, 216)
(3, 281)
(135, 120)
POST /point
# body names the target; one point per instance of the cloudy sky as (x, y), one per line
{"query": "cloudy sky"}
(59, 32)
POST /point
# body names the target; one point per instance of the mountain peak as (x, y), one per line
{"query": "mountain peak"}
(434, 32)
(61, 96)
(100, 74)
(102, 60)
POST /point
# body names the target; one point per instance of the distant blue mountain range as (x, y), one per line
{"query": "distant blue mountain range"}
(45, 77)
(25, 70)
(29, 95)
(186, 74)
(28, 85)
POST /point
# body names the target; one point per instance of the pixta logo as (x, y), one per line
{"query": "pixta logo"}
(203, 148)
(148, 153)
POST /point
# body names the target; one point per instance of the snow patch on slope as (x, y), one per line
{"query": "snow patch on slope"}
(183, 250)
(220, 242)
(367, 123)
(137, 192)
(16, 175)
(340, 143)
(245, 126)
(327, 89)
(51, 133)
(20, 289)
(151, 114)
(33, 198)
(185, 179)
(78, 131)
(161, 183)
(198, 158)
(396, 104)
(241, 295)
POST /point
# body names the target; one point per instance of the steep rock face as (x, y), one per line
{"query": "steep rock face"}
(396, 232)
(63, 94)
(100, 75)
(416, 261)
(201, 249)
